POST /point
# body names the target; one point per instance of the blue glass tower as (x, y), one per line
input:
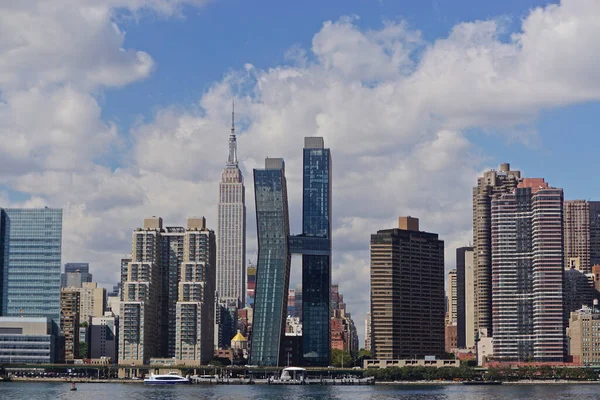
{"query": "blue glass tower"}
(316, 252)
(273, 270)
(31, 262)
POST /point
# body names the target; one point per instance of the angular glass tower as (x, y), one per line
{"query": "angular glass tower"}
(31, 262)
(273, 270)
(316, 254)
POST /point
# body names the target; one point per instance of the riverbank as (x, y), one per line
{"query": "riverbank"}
(76, 380)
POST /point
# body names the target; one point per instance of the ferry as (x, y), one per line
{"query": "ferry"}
(172, 378)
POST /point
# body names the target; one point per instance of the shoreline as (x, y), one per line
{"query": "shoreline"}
(381, 383)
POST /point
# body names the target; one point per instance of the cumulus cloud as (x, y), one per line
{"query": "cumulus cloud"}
(392, 107)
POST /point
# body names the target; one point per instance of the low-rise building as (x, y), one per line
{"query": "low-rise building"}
(451, 338)
(583, 335)
(410, 363)
(28, 340)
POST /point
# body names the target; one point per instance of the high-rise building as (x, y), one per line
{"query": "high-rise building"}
(452, 314)
(195, 309)
(594, 232)
(251, 284)
(465, 297)
(489, 186)
(527, 272)
(171, 256)
(225, 322)
(69, 322)
(31, 262)
(104, 336)
(578, 291)
(407, 292)
(368, 332)
(92, 300)
(343, 331)
(576, 222)
(273, 270)
(314, 244)
(298, 302)
(75, 274)
(231, 230)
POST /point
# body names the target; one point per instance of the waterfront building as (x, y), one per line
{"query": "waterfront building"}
(29, 340)
(584, 336)
(31, 263)
(104, 336)
(195, 308)
(69, 323)
(490, 185)
(407, 292)
(273, 270)
(75, 274)
(527, 271)
(231, 229)
(465, 297)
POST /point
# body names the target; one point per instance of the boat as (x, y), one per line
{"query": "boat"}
(293, 374)
(73, 387)
(482, 382)
(172, 378)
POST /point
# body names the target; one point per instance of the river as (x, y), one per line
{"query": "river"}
(35, 391)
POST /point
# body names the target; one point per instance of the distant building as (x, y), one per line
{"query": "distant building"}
(343, 331)
(576, 222)
(231, 229)
(104, 336)
(485, 347)
(250, 284)
(368, 332)
(293, 326)
(407, 308)
(69, 323)
(225, 322)
(28, 340)
(75, 274)
(92, 300)
(451, 338)
(578, 291)
(465, 298)
(452, 316)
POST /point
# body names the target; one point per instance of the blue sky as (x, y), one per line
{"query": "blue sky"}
(121, 111)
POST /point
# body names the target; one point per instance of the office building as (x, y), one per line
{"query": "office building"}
(576, 223)
(578, 291)
(527, 272)
(407, 292)
(225, 322)
(231, 229)
(75, 274)
(452, 314)
(273, 270)
(29, 340)
(584, 336)
(465, 297)
(489, 186)
(104, 337)
(31, 267)
(195, 308)
(594, 232)
(69, 323)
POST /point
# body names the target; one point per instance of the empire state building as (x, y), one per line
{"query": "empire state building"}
(231, 234)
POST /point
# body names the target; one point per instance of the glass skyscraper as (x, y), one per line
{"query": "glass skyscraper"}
(316, 252)
(31, 262)
(273, 270)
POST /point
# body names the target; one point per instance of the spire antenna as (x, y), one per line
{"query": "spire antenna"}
(233, 116)
(232, 159)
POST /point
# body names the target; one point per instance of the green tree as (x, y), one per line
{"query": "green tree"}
(83, 350)
(341, 359)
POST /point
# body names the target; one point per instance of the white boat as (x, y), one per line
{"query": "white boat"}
(293, 375)
(172, 378)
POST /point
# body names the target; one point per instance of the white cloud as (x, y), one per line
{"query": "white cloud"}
(392, 107)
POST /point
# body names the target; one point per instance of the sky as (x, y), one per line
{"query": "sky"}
(116, 110)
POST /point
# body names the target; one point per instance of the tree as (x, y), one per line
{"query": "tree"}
(341, 359)
(83, 350)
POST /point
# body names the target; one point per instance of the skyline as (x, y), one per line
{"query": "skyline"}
(102, 138)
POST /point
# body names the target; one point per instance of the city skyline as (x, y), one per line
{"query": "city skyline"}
(119, 136)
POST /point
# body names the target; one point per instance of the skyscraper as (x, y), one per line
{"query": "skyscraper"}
(69, 322)
(407, 292)
(316, 253)
(77, 272)
(527, 272)
(273, 270)
(489, 186)
(594, 232)
(465, 297)
(31, 263)
(576, 222)
(231, 229)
